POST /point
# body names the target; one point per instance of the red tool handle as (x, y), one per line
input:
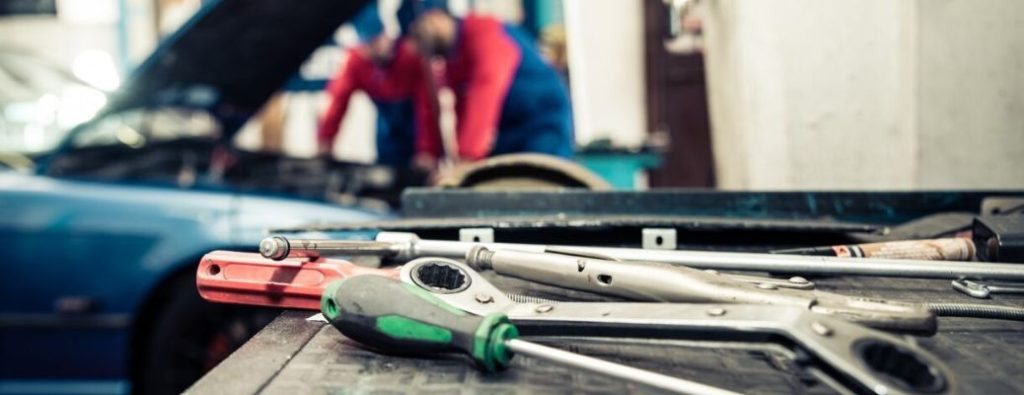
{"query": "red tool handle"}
(293, 283)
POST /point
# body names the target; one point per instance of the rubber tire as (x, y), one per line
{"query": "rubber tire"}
(177, 349)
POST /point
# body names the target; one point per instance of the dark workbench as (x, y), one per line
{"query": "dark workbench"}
(294, 356)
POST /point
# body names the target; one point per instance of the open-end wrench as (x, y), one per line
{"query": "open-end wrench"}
(862, 359)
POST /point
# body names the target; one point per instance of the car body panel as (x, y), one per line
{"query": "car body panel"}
(79, 257)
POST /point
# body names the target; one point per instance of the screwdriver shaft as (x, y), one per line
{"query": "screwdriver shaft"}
(656, 380)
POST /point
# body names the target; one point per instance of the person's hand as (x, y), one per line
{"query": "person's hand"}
(324, 150)
(424, 162)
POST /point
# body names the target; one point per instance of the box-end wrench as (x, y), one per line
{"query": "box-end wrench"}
(664, 283)
(862, 359)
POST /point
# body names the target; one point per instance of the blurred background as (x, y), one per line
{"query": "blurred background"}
(137, 135)
(730, 94)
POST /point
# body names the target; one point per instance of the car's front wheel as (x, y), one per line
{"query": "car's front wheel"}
(188, 336)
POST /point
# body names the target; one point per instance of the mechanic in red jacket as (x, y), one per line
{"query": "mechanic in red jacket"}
(508, 99)
(389, 73)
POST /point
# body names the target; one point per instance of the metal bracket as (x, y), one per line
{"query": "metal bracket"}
(659, 238)
(476, 235)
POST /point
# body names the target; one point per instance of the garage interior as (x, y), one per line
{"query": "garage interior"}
(511, 196)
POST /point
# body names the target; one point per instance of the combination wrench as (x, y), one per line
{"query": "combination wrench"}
(861, 359)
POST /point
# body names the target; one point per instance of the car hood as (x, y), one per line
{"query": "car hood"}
(231, 56)
(220, 218)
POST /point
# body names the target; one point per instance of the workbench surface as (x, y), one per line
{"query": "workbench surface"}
(294, 356)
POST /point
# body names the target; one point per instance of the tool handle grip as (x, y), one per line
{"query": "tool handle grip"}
(395, 317)
(250, 279)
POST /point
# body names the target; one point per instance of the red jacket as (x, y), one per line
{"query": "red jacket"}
(397, 81)
(479, 70)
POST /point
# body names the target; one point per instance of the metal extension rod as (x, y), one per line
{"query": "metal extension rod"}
(404, 247)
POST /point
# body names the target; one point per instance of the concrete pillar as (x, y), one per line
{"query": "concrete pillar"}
(858, 94)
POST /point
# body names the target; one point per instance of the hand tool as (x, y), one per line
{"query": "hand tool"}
(663, 283)
(984, 291)
(390, 316)
(293, 283)
(947, 249)
(247, 278)
(842, 352)
(402, 247)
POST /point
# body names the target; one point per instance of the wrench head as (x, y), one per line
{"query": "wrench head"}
(972, 289)
(456, 284)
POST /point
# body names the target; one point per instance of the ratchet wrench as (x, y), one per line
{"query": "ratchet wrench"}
(296, 283)
(293, 283)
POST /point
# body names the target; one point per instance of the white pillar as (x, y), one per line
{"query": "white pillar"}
(865, 94)
(606, 67)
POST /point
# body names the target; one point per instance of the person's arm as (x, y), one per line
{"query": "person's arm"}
(428, 134)
(493, 58)
(339, 91)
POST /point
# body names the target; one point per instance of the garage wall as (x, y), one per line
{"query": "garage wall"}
(856, 94)
(971, 101)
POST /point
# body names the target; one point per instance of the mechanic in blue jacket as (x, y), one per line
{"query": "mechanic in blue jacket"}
(508, 99)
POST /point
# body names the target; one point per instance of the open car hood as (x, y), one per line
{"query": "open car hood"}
(232, 56)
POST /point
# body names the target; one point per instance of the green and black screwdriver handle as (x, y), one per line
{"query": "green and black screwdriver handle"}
(399, 318)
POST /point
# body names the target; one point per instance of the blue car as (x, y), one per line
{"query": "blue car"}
(99, 242)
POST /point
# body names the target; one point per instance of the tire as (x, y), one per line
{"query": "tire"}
(188, 336)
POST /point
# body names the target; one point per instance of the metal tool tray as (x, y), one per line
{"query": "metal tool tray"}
(704, 219)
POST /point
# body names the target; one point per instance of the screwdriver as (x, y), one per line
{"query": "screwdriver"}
(398, 318)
